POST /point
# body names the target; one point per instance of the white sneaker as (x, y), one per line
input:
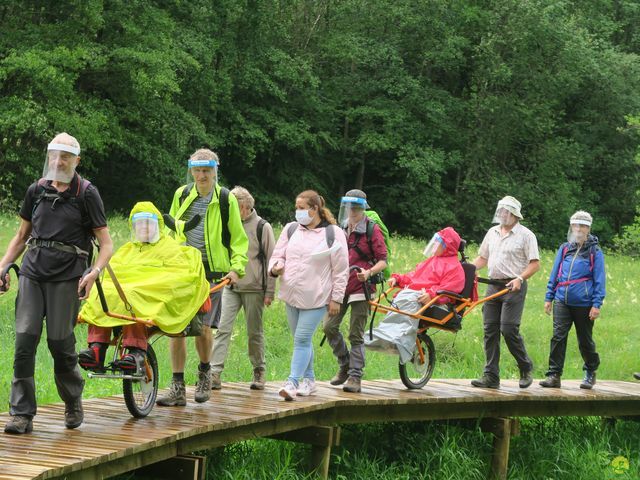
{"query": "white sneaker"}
(288, 391)
(307, 387)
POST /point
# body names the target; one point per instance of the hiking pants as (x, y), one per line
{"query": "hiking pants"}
(253, 305)
(503, 315)
(563, 317)
(59, 303)
(354, 360)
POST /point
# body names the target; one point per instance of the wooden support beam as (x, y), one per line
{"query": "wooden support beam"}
(321, 440)
(502, 429)
(184, 467)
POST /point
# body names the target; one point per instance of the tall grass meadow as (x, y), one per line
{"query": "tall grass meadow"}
(547, 448)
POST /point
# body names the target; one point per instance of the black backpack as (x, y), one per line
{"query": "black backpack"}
(224, 212)
(262, 255)
(78, 200)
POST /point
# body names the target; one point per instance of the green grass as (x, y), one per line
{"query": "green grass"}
(566, 448)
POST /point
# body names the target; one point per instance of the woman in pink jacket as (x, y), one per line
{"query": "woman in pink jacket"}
(312, 259)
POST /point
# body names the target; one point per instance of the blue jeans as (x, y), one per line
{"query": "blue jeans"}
(302, 324)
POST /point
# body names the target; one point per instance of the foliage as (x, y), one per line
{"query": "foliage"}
(435, 111)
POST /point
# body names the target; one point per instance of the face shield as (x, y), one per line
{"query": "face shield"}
(435, 247)
(60, 163)
(145, 227)
(351, 211)
(203, 173)
(505, 215)
(578, 232)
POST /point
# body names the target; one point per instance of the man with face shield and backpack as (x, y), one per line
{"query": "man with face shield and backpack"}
(223, 243)
(59, 216)
(511, 252)
(367, 251)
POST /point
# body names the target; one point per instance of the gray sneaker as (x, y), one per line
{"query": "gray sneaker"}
(175, 397)
(19, 424)
(73, 414)
(258, 379)
(216, 383)
(203, 388)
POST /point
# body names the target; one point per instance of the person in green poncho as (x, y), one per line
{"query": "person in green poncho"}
(163, 281)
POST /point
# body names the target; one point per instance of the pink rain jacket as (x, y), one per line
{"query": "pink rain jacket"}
(443, 272)
(311, 281)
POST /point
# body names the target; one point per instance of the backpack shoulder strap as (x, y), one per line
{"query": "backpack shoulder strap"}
(224, 217)
(185, 193)
(330, 235)
(259, 229)
(292, 228)
(81, 196)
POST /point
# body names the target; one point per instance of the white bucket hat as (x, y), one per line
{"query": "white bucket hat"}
(512, 205)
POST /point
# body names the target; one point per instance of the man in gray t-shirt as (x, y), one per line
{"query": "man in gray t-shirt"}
(510, 250)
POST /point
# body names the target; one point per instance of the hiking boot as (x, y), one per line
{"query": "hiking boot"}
(132, 361)
(552, 381)
(589, 380)
(341, 376)
(486, 382)
(288, 391)
(352, 385)
(19, 424)
(216, 382)
(258, 379)
(203, 387)
(73, 413)
(175, 397)
(636, 376)
(307, 387)
(526, 379)
(92, 358)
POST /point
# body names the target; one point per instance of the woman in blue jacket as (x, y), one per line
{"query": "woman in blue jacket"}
(576, 289)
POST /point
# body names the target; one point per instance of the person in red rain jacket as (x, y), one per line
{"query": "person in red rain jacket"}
(440, 271)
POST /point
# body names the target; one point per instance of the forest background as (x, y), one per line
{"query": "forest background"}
(436, 108)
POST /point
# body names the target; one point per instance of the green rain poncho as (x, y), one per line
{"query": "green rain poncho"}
(163, 281)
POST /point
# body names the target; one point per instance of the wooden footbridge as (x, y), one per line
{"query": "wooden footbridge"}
(112, 442)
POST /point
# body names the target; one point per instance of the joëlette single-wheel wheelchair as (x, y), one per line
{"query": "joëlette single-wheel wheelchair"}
(418, 370)
(140, 388)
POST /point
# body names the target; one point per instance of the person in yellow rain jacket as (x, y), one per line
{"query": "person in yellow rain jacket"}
(163, 281)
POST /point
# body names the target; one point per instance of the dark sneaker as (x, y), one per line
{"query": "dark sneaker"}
(216, 383)
(526, 379)
(175, 397)
(589, 380)
(92, 358)
(636, 376)
(132, 361)
(19, 424)
(341, 376)
(258, 379)
(203, 387)
(486, 382)
(73, 414)
(552, 381)
(352, 385)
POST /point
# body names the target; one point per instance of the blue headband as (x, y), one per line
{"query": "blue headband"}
(144, 216)
(202, 163)
(358, 200)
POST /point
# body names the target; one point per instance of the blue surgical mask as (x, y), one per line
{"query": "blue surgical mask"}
(302, 217)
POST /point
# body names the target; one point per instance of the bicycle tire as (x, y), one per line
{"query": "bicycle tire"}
(415, 374)
(140, 395)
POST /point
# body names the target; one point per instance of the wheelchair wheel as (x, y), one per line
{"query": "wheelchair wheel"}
(416, 372)
(140, 394)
